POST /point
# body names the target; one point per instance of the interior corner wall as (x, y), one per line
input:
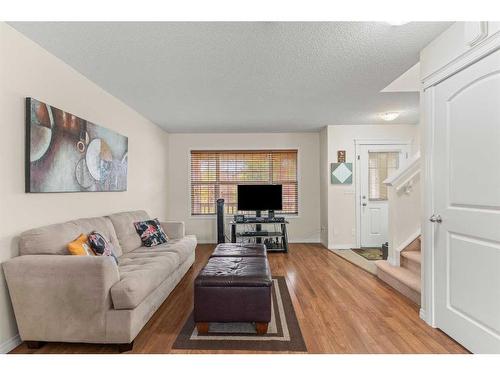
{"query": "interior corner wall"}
(324, 182)
(303, 228)
(28, 70)
(340, 199)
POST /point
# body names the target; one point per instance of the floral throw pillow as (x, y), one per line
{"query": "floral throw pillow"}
(151, 232)
(100, 246)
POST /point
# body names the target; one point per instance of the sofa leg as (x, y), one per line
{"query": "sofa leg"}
(202, 328)
(125, 347)
(34, 344)
(261, 328)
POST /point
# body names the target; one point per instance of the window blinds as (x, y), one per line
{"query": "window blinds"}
(216, 174)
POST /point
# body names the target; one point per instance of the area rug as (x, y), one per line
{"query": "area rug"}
(283, 333)
(370, 253)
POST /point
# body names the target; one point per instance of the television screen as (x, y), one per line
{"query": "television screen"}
(260, 197)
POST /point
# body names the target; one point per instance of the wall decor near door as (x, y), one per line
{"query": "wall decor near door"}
(341, 156)
(341, 173)
(65, 153)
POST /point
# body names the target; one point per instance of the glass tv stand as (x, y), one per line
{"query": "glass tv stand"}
(268, 231)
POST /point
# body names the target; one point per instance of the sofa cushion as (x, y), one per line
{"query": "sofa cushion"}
(123, 223)
(54, 239)
(140, 274)
(151, 232)
(183, 247)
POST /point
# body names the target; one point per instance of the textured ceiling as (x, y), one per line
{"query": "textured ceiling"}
(247, 76)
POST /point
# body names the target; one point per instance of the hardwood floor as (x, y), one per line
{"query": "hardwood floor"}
(340, 308)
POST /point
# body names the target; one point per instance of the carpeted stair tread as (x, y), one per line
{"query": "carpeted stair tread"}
(403, 275)
(413, 246)
(414, 256)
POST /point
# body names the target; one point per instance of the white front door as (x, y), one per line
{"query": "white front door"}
(467, 200)
(376, 163)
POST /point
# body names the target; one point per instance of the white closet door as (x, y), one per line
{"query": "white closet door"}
(467, 200)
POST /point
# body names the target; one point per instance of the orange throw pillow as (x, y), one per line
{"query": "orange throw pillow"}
(80, 246)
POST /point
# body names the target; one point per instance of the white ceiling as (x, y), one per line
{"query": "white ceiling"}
(246, 76)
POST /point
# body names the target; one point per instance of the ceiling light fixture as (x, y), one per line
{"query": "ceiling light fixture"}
(397, 23)
(389, 116)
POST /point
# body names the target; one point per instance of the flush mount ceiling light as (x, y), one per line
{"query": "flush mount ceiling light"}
(389, 116)
(397, 23)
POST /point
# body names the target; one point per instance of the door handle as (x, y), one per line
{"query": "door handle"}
(435, 219)
(363, 204)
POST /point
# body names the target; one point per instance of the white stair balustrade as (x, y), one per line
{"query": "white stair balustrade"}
(404, 202)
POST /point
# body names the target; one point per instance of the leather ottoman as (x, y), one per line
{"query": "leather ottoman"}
(240, 250)
(233, 289)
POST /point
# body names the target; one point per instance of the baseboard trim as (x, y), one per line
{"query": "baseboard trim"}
(421, 314)
(304, 240)
(346, 246)
(10, 344)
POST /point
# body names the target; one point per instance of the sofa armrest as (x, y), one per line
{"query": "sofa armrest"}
(61, 297)
(174, 229)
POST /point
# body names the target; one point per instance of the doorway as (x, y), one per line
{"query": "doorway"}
(375, 161)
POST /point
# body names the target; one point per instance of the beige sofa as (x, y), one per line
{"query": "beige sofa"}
(66, 298)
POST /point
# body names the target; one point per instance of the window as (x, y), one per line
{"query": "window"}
(216, 174)
(380, 166)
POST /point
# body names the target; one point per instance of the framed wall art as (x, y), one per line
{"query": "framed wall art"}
(341, 173)
(65, 153)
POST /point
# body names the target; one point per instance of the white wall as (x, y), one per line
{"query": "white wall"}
(341, 198)
(28, 70)
(304, 228)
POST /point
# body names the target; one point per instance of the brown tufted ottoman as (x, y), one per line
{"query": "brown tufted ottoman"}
(233, 289)
(240, 250)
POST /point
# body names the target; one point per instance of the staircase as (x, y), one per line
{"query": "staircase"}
(405, 278)
(402, 268)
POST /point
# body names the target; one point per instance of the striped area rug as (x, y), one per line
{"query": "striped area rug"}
(283, 333)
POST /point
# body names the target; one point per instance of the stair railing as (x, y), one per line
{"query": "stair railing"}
(404, 203)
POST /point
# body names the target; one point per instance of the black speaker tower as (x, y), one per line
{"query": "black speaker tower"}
(220, 221)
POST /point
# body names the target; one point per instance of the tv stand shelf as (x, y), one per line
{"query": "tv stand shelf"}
(259, 234)
(263, 234)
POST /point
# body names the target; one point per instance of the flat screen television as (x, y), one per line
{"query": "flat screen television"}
(260, 197)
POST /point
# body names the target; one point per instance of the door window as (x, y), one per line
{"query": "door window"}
(380, 166)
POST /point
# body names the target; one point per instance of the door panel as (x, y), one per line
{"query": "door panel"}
(375, 217)
(469, 296)
(472, 112)
(467, 197)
